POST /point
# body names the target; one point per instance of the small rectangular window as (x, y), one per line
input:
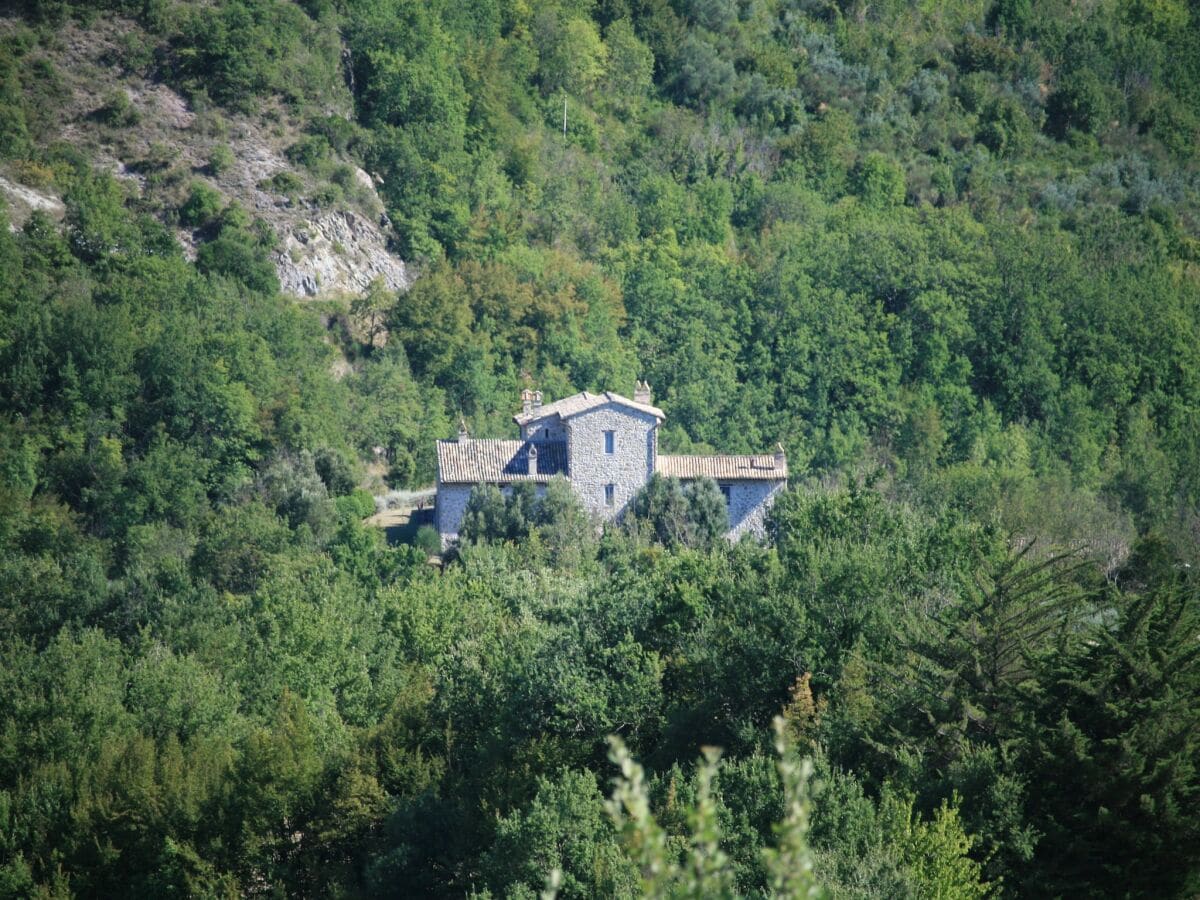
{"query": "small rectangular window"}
(610, 441)
(725, 493)
(610, 494)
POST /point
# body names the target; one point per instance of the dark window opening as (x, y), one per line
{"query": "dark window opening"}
(610, 493)
(610, 441)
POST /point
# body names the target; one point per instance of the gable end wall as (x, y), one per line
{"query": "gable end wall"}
(749, 503)
(628, 468)
(548, 429)
(451, 504)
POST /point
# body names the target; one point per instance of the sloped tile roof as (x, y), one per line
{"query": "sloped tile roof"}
(722, 468)
(473, 461)
(582, 402)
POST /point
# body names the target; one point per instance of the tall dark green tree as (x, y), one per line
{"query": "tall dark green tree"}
(1116, 740)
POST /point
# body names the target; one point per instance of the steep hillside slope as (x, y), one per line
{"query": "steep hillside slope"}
(111, 106)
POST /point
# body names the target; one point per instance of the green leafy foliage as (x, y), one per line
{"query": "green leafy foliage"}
(202, 206)
(947, 256)
(676, 515)
(1119, 777)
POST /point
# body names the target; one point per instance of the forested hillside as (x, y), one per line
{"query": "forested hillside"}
(947, 253)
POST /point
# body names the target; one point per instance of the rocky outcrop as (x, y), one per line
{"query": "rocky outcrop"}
(331, 239)
(337, 252)
(21, 200)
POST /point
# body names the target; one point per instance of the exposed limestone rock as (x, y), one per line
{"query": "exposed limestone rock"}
(22, 200)
(327, 245)
(339, 252)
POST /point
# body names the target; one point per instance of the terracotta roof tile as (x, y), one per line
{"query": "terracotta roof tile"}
(722, 468)
(473, 461)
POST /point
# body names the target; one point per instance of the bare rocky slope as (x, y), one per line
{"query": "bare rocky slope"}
(332, 232)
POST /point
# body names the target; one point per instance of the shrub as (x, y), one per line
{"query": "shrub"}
(556, 517)
(235, 254)
(202, 206)
(234, 50)
(927, 90)
(486, 515)
(220, 160)
(34, 174)
(13, 125)
(976, 53)
(117, 110)
(428, 540)
(708, 511)
(311, 151)
(879, 181)
(1178, 127)
(335, 472)
(673, 515)
(974, 90)
(563, 525)
(1080, 102)
(289, 485)
(1005, 129)
(1013, 18)
(339, 133)
(286, 183)
(158, 159)
(357, 505)
(326, 196)
(134, 52)
(14, 133)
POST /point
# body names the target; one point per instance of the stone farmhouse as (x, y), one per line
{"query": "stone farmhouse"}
(607, 446)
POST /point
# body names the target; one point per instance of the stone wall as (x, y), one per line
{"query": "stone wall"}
(451, 504)
(627, 468)
(749, 503)
(548, 429)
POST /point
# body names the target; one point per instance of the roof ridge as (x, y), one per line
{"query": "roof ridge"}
(712, 455)
(732, 467)
(582, 401)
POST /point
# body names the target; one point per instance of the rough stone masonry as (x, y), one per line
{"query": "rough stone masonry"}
(607, 446)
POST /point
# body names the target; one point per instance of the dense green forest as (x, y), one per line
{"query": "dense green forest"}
(947, 253)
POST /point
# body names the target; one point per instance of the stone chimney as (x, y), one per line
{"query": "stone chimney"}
(532, 457)
(537, 400)
(780, 456)
(463, 434)
(641, 392)
(526, 401)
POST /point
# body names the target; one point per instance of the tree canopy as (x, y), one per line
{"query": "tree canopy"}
(946, 254)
